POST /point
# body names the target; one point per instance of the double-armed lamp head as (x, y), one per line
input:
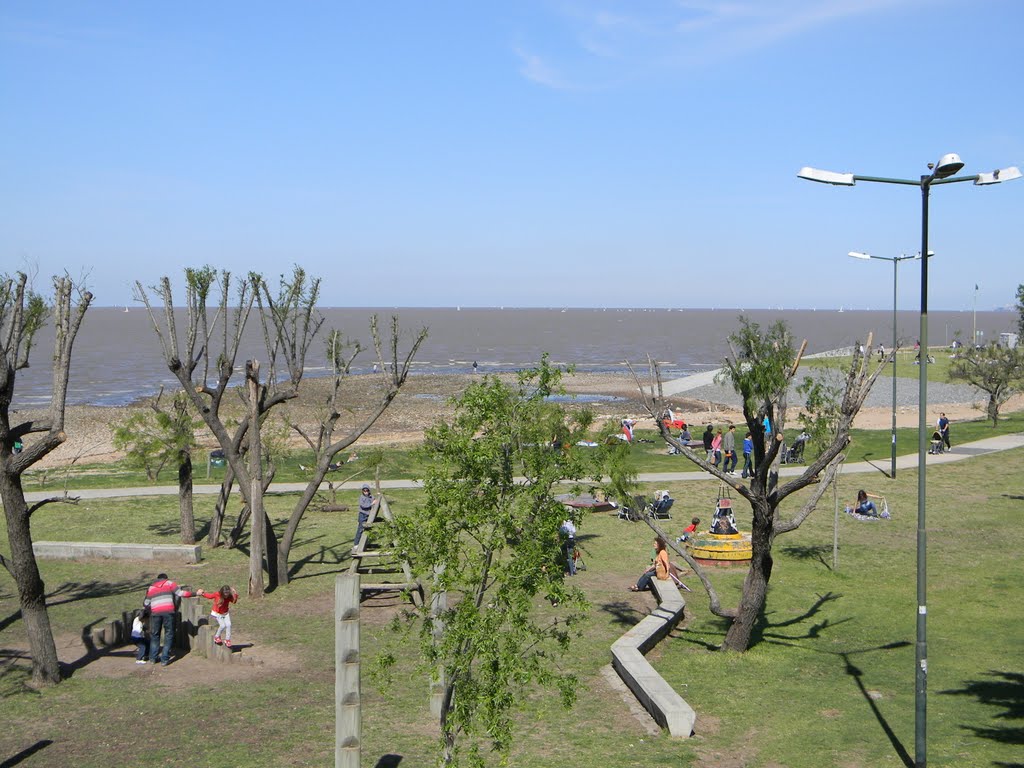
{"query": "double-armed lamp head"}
(948, 166)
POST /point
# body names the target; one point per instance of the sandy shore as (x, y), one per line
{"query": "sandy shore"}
(425, 400)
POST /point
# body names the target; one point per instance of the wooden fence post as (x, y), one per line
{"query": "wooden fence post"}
(347, 735)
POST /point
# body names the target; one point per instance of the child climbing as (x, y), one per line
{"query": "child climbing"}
(222, 600)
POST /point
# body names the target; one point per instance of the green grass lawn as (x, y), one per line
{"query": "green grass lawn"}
(906, 364)
(649, 454)
(829, 681)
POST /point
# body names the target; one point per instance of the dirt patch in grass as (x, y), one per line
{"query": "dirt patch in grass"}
(186, 671)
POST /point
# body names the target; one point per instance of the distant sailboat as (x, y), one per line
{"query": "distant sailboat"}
(126, 309)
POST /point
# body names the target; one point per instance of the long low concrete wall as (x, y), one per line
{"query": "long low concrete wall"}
(667, 707)
(69, 550)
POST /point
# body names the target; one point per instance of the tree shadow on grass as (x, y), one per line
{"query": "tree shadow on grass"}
(386, 761)
(622, 613)
(1005, 690)
(817, 552)
(765, 630)
(72, 591)
(170, 529)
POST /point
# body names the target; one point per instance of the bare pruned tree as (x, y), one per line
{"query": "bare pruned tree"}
(392, 374)
(297, 297)
(22, 314)
(761, 367)
(289, 322)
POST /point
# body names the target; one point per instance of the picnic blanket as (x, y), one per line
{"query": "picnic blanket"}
(884, 515)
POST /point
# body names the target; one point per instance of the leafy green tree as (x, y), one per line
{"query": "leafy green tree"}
(487, 536)
(152, 439)
(22, 314)
(1020, 311)
(997, 371)
(761, 367)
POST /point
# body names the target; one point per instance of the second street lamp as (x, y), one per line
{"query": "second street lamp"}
(942, 172)
(895, 268)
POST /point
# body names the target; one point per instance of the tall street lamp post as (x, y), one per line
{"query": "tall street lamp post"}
(895, 265)
(943, 172)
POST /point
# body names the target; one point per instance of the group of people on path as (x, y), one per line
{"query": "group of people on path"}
(720, 449)
(157, 618)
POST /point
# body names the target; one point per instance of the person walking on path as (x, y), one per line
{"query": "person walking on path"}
(222, 600)
(729, 449)
(365, 505)
(162, 600)
(748, 448)
(943, 426)
(716, 448)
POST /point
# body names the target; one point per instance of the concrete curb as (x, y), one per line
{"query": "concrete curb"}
(666, 706)
(69, 550)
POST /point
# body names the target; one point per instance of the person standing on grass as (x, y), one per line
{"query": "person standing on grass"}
(162, 600)
(708, 437)
(365, 505)
(222, 600)
(943, 426)
(716, 448)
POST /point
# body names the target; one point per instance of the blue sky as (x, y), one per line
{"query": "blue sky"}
(528, 153)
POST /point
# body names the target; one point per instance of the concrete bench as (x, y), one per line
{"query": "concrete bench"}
(70, 550)
(666, 706)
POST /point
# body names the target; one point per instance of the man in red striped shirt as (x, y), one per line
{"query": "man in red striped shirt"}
(162, 601)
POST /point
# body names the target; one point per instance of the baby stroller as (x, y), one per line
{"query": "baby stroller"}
(663, 503)
(795, 453)
(938, 446)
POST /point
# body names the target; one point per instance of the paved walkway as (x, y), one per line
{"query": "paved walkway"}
(958, 453)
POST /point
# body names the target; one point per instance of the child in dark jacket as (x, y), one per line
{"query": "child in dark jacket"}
(222, 600)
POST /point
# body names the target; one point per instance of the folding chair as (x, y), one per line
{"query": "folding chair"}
(660, 510)
(635, 511)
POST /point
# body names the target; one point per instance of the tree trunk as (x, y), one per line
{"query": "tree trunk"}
(257, 540)
(31, 590)
(217, 522)
(299, 510)
(188, 521)
(755, 585)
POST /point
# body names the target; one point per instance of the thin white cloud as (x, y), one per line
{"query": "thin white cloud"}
(617, 40)
(533, 67)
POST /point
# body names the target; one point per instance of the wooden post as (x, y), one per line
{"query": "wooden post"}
(438, 605)
(347, 724)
